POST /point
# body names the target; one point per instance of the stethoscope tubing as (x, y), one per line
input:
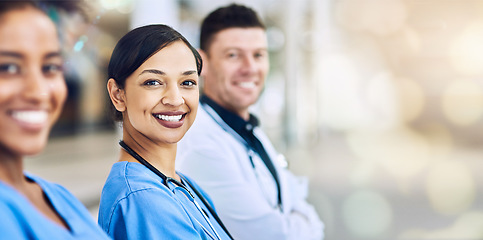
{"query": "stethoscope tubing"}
(166, 180)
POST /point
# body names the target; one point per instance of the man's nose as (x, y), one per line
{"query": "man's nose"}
(249, 64)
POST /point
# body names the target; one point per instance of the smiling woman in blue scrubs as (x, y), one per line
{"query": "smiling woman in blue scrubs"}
(153, 86)
(32, 94)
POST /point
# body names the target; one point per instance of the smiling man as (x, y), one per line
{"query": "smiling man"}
(226, 152)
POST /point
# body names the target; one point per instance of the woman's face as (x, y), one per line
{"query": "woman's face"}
(32, 86)
(161, 96)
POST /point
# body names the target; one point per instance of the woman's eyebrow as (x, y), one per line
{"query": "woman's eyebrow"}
(154, 71)
(159, 72)
(19, 55)
(191, 72)
(11, 54)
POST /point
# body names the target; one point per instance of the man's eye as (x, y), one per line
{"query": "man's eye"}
(9, 68)
(232, 55)
(52, 68)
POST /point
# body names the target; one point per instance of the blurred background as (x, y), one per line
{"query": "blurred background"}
(378, 102)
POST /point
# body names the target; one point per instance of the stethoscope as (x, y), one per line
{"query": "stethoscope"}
(251, 153)
(167, 180)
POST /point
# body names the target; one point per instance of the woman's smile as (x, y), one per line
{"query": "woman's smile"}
(31, 119)
(171, 119)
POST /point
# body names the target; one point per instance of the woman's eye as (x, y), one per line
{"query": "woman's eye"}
(189, 83)
(151, 83)
(52, 68)
(9, 68)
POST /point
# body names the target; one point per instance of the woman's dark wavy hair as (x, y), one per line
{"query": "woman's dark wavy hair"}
(137, 46)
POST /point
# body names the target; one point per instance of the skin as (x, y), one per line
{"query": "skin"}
(235, 68)
(32, 94)
(166, 84)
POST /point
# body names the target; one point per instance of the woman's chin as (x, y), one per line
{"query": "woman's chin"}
(32, 149)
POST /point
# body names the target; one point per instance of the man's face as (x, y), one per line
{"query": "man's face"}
(235, 68)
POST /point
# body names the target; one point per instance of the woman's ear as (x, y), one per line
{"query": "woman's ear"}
(206, 62)
(117, 95)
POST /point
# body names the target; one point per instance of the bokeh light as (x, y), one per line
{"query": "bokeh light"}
(339, 98)
(380, 17)
(462, 102)
(125, 6)
(450, 187)
(411, 99)
(407, 41)
(466, 50)
(468, 226)
(109, 4)
(440, 140)
(402, 152)
(271, 102)
(380, 94)
(276, 38)
(367, 214)
(122, 6)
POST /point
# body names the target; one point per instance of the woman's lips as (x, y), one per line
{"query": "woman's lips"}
(170, 120)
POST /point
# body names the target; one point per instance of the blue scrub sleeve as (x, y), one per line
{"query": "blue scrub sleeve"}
(147, 214)
(10, 228)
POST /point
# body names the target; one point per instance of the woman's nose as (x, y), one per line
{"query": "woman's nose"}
(36, 86)
(173, 97)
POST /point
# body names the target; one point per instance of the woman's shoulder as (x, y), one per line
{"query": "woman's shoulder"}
(129, 186)
(139, 197)
(21, 217)
(128, 180)
(10, 199)
(133, 177)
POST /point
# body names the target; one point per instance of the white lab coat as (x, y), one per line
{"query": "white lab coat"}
(244, 196)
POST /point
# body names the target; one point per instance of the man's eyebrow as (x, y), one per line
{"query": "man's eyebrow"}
(53, 55)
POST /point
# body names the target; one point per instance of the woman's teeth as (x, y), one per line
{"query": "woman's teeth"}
(30, 117)
(169, 118)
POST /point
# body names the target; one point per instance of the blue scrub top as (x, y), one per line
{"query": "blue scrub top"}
(136, 204)
(19, 219)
